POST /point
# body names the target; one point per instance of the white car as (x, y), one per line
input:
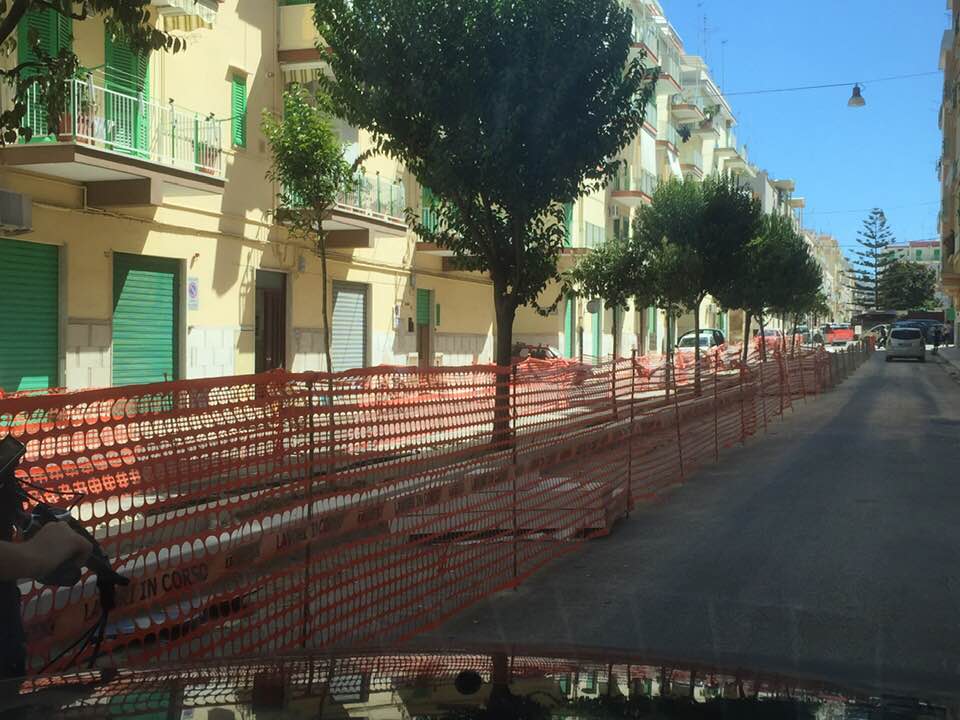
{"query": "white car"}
(709, 339)
(906, 342)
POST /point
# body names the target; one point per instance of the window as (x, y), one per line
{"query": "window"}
(238, 110)
(936, 253)
(919, 254)
(568, 223)
(594, 235)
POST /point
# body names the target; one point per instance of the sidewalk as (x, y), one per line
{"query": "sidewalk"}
(951, 355)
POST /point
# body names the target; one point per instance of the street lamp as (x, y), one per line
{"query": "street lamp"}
(856, 100)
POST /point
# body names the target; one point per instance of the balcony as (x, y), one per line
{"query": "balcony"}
(297, 33)
(644, 37)
(126, 149)
(686, 109)
(669, 79)
(670, 137)
(370, 206)
(691, 162)
(632, 188)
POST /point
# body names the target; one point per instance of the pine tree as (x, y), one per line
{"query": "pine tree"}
(872, 261)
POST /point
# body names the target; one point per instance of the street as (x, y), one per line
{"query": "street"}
(831, 549)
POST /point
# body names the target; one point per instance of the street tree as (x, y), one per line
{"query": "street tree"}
(43, 70)
(908, 285)
(613, 274)
(710, 224)
(753, 282)
(871, 261)
(505, 110)
(309, 166)
(798, 291)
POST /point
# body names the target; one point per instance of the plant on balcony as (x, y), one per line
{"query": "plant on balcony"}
(309, 166)
(46, 62)
(496, 132)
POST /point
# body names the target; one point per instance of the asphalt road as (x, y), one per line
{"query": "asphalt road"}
(830, 548)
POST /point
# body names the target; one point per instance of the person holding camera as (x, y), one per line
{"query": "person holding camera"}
(53, 546)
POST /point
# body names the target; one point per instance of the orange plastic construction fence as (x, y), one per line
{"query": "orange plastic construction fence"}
(277, 511)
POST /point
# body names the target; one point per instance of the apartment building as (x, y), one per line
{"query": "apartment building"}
(138, 241)
(836, 269)
(928, 253)
(949, 164)
(152, 253)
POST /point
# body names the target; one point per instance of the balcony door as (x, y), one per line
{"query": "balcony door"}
(54, 32)
(127, 98)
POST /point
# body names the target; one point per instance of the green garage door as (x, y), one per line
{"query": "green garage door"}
(29, 324)
(146, 312)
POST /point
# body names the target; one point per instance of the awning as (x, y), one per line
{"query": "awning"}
(187, 15)
(303, 73)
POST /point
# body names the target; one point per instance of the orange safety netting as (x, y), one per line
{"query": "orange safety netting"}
(277, 511)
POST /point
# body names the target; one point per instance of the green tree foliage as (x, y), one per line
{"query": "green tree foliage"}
(505, 109)
(872, 261)
(610, 273)
(309, 166)
(691, 240)
(908, 286)
(758, 281)
(47, 74)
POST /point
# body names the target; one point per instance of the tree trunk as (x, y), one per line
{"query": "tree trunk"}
(793, 340)
(696, 347)
(616, 335)
(747, 317)
(505, 310)
(668, 368)
(763, 342)
(324, 304)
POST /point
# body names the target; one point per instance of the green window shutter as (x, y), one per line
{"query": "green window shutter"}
(423, 307)
(54, 33)
(428, 212)
(568, 223)
(128, 75)
(438, 315)
(29, 323)
(569, 327)
(238, 110)
(598, 332)
(936, 254)
(146, 319)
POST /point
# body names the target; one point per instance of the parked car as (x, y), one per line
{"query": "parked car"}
(522, 351)
(906, 342)
(709, 339)
(924, 326)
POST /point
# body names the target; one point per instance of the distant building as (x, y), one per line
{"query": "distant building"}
(836, 273)
(927, 253)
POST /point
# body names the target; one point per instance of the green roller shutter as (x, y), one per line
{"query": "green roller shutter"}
(569, 327)
(238, 110)
(423, 307)
(54, 32)
(146, 310)
(598, 332)
(127, 111)
(29, 323)
(348, 342)
(568, 224)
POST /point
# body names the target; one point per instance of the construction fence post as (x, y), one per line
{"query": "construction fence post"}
(743, 418)
(676, 408)
(716, 410)
(763, 397)
(633, 404)
(513, 470)
(803, 384)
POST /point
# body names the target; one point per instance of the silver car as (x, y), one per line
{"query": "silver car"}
(906, 342)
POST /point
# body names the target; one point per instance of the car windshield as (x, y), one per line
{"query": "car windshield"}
(481, 324)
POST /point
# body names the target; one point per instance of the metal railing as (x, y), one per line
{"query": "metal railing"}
(629, 179)
(692, 157)
(645, 31)
(132, 125)
(671, 135)
(651, 116)
(375, 194)
(669, 60)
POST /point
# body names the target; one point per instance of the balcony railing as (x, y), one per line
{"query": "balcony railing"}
(671, 135)
(692, 157)
(669, 60)
(374, 194)
(644, 31)
(132, 125)
(629, 179)
(651, 116)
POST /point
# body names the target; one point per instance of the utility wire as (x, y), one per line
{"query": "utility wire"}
(832, 85)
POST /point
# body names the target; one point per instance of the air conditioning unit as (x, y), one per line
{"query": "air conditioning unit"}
(16, 212)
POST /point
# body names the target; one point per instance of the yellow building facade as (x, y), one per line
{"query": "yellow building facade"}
(140, 243)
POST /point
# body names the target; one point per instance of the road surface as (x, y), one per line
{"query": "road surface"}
(831, 548)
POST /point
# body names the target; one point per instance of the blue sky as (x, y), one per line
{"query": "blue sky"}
(844, 160)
